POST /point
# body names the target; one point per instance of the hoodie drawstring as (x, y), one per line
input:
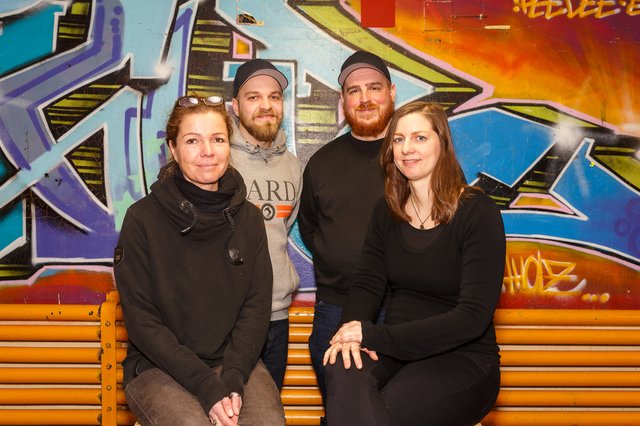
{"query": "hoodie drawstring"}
(187, 207)
(233, 254)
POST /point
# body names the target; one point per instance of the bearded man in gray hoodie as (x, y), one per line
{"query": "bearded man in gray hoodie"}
(273, 177)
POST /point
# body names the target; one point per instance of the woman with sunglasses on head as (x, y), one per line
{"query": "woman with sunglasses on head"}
(194, 276)
(438, 246)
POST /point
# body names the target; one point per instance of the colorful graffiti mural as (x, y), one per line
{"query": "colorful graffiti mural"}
(545, 118)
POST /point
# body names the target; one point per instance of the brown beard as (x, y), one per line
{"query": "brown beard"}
(263, 132)
(369, 129)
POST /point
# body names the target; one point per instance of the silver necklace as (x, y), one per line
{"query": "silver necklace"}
(417, 215)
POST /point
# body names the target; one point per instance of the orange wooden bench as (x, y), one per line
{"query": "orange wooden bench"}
(60, 365)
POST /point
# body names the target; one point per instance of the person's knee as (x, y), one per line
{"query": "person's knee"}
(262, 404)
(339, 377)
(335, 371)
(261, 383)
(437, 404)
(156, 398)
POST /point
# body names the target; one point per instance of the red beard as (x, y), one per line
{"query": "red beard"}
(369, 128)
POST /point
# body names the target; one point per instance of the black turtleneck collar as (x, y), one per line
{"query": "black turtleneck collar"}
(205, 200)
(197, 212)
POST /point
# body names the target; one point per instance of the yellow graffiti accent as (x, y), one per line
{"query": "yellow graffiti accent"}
(242, 47)
(544, 112)
(532, 202)
(626, 166)
(548, 275)
(599, 9)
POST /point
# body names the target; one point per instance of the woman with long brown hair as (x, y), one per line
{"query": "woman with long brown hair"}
(437, 246)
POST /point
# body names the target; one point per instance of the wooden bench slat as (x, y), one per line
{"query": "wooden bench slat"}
(301, 315)
(562, 358)
(299, 333)
(570, 378)
(298, 377)
(568, 398)
(535, 317)
(121, 333)
(50, 417)
(50, 396)
(569, 358)
(303, 417)
(49, 333)
(567, 317)
(298, 356)
(592, 337)
(48, 312)
(124, 417)
(49, 375)
(530, 378)
(562, 418)
(301, 397)
(56, 396)
(58, 355)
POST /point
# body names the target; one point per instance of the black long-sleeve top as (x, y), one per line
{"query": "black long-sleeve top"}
(443, 296)
(342, 183)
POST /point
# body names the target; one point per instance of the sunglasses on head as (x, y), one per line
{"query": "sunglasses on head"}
(191, 101)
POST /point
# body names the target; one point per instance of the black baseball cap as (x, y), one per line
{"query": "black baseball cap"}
(362, 59)
(254, 68)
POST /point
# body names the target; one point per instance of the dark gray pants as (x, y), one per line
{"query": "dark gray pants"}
(158, 400)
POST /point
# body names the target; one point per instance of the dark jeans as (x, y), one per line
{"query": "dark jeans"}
(274, 353)
(451, 389)
(158, 400)
(326, 318)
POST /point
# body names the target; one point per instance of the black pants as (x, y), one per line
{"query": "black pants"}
(450, 389)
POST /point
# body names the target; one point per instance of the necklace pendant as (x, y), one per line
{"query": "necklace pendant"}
(422, 227)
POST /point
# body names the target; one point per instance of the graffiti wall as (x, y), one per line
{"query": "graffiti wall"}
(542, 99)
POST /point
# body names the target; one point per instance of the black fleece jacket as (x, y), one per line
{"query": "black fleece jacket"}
(186, 305)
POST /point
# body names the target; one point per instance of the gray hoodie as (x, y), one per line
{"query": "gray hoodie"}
(273, 177)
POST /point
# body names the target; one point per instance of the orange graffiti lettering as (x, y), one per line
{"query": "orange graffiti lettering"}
(549, 277)
(633, 8)
(576, 8)
(530, 7)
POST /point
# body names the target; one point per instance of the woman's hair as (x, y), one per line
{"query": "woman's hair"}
(447, 179)
(177, 116)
